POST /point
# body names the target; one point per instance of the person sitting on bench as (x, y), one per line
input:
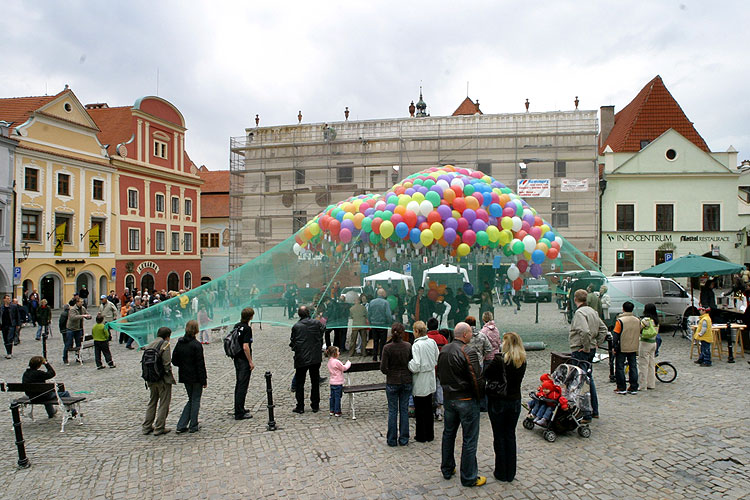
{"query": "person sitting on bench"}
(34, 375)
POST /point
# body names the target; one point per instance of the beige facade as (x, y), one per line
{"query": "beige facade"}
(282, 176)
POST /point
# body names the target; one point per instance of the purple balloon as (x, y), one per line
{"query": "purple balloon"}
(493, 221)
(445, 212)
(437, 189)
(451, 223)
(470, 215)
(529, 218)
(391, 207)
(479, 225)
(421, 219)
(410, 191)
(449, 234)
(536, 270)
(347, 224)
(369, 211)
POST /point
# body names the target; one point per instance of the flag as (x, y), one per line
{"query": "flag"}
(60, 238)
(94, 241)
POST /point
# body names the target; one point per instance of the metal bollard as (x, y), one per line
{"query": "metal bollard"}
(23, 461)
(269, 390)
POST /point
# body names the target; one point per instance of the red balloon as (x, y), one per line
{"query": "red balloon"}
(459, 204)
(552, 253)
(334, 227)
(433, 217)
(517, 284)
(555, 245)
(363, 207)
(525, 226)
(410, 218)
(521, 234)
(456, 242)
(522, 265)
(463, 225)
(376, 222)
(298, 239)
(424, 226)
(469, 237)
(459, 192)
(538, 220)
(495, 198)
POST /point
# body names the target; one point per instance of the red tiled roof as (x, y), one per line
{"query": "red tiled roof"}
(116, 125)
(214, 205)
(214, 182)
(17, 110)
(650, 114)
(467, 107)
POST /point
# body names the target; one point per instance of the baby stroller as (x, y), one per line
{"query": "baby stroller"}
(572, 378)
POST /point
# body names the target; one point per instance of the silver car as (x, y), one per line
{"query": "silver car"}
(673, 303)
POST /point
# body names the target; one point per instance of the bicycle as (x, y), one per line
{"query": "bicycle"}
(665, 371)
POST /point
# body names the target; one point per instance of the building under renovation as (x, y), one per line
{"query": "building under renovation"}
(281, 176)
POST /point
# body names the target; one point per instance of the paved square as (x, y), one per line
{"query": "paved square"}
(687, 439)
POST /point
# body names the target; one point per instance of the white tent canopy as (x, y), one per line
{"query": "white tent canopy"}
(391, 276)
(444, 269)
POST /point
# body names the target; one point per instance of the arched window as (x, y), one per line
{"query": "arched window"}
(173, 282)
(130, 282)
(188, 280)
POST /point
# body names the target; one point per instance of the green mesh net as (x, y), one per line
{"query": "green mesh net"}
(465, 237)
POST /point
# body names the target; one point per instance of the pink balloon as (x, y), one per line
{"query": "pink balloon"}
(345, 235)
(525, 226)
(509, 212)
(463, 225)
(483, 215)
(534, 231)
(396, 218)
(469, 237)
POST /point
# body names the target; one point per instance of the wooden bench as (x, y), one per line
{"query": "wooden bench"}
(351, 390)
(71, 404)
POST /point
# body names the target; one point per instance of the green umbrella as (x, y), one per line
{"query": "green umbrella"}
(692, 266)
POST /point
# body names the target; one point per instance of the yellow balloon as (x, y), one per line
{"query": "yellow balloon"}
(426, 237)
(404, 199)
(348, 215)
(456, 214)
(505, 237)
(463, 250)
(494, 233)
(418, 197)
(437, 230)
(386, 229)
(545, 228)
(506, 223)
(487, 179)
(314, 229)
(526, 255)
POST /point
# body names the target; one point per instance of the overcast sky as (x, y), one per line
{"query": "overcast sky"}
(221, 63)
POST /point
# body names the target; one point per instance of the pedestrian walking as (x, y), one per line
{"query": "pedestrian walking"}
(188, 357)
(101, 337)
(74, 333)
(647, 348)
(160, 391)
(43, 316)
(8, 319)
(398, 383)
(626, 335)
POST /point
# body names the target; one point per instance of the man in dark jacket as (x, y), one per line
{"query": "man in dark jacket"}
(188, 357)
(8, 320)
(380, 317)
(33, 375)
(306, 342)
(460, 376)
(43, 317)
(243, 364)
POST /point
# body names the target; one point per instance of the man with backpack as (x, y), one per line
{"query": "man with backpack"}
(156, 367)
(238, 346)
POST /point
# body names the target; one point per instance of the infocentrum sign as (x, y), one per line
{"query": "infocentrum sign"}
(663, 238)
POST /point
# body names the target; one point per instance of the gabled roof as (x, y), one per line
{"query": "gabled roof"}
(214, 205)
(650, 114)
(116, 125)
(214, 182)
(467, 107)
(17, 110)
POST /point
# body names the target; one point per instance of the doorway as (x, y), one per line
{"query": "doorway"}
(49, 288)
(147, 283)
(173, 282)
(102, 287)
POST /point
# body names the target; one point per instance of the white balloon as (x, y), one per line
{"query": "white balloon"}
(559, 241)
(296, 249)
(425, 208)
(457, 182)
(413, 206)
(513, 272)
(517, 223)
(443, 184)
(526, 211)
(529, 243)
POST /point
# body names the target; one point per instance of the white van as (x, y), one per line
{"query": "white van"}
(672, 302)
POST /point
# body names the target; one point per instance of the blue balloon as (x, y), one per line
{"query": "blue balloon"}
(550, 235)
(402, 230)
(495, 209)
(487, 199)
(415, 235)
(340, 216)
(537, 256)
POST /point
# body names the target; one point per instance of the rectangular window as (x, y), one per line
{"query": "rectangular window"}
(161, 243)
(188, 242)
(2, 222)
(624, 261)
(31, 179)
(175, 205)
(661, 256)
(160, 149)
(299, 176)
(561, 169)
(299, 220)
(134, 240)
(485, 167)
(394, 174)
(559, 214)
(345, 174)
(63, 184)
(159, 203)
(378, 179)
(98, 190)
(188, 207)
(61, 219)
(30, 226)
(665, 218)
(132, 198)
(712, 217)
(175, 242)
(101, 223)
(214, 240)
(626, 217)
(204, 240)
(263, 226)
(273, 183)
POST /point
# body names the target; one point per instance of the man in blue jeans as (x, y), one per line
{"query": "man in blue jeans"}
(586, 330)
(460, 375)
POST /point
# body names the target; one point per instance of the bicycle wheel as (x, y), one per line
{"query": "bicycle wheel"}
(666, 372)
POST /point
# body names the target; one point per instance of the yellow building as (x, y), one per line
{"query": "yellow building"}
(63, 176)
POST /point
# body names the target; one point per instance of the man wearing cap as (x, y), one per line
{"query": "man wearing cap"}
(108, 310)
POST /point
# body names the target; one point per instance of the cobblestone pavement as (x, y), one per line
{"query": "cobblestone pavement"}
(687, 439)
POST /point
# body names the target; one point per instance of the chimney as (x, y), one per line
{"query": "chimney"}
(97, 105)
(607, 122)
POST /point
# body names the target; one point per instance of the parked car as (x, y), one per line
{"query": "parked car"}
(536, 289)
(352, 293)
(673, 303)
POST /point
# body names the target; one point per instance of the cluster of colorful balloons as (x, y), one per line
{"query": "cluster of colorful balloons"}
(447, 206)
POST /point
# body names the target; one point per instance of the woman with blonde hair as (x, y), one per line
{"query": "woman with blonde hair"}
(504, 376)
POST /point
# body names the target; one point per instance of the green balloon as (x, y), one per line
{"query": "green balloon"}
(505, 190)
(378, 213)
(433, 198)
(469, 189)
(374, 238)
(393, 199)
(387, 214)
(335, 212)
(418, 182)
(494, 244)
(429, 183)
(544, 240)
(483, 239)
(367, 224)
(518, 247)
(507, 251)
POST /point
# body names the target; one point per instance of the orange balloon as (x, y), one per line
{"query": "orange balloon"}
(449, 195)
(307, 234)
(400, 209)
(358, 218)
(471, 202)
(399, 190)
(442, 242)
(504, 198)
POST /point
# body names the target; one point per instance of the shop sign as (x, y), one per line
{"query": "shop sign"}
(668, 256)
(147, 264)
(661, 238)
(533, 188)
(574, 185)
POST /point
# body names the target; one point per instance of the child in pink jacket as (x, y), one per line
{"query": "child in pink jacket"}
(336, 368)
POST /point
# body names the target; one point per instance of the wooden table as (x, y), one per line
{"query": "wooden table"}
(716, 346)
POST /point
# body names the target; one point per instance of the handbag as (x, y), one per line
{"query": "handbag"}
(498, 388)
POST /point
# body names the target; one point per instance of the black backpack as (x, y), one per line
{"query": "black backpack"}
(232, 344)
(152, 368)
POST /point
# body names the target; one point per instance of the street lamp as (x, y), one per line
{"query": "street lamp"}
(25, 250)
